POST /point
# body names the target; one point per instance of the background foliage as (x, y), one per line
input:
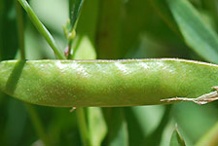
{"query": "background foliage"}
(112, 29)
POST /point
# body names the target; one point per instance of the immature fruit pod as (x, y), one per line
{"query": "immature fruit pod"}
(80, 83)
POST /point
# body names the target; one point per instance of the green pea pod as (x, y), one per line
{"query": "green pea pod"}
(106, 83)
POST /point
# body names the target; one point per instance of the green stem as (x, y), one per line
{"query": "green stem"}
(74, 10)
(75, 7)
(20, 26)
(41, 28)
(69, 49)
(32, 112)
(88, 16)
(84, 133)
(37, 124)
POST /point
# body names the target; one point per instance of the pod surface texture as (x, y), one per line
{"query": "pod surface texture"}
(105, 83)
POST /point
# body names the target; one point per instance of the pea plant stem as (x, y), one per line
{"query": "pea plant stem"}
(30, 109)
(20, 25)
(74, 11)
(37, 124)
(41, 28)
(83, 126)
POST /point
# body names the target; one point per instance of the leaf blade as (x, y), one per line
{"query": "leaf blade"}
(176, 139)
(197, 34)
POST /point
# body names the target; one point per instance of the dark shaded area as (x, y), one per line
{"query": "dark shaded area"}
(115, 120)
(8, 30)
(158, 133)
(14, 77)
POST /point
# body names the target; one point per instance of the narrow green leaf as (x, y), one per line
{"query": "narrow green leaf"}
(197, 34)
(70, 32)
(176, 139)
(84, 45)
(82, 83)
(75, 8)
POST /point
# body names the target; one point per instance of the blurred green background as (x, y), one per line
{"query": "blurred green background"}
(109, 29)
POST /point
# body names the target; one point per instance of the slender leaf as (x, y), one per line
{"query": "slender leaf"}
(197, 34)
(75, 8)
(176, 139)
(84, 44)
(204, 117)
